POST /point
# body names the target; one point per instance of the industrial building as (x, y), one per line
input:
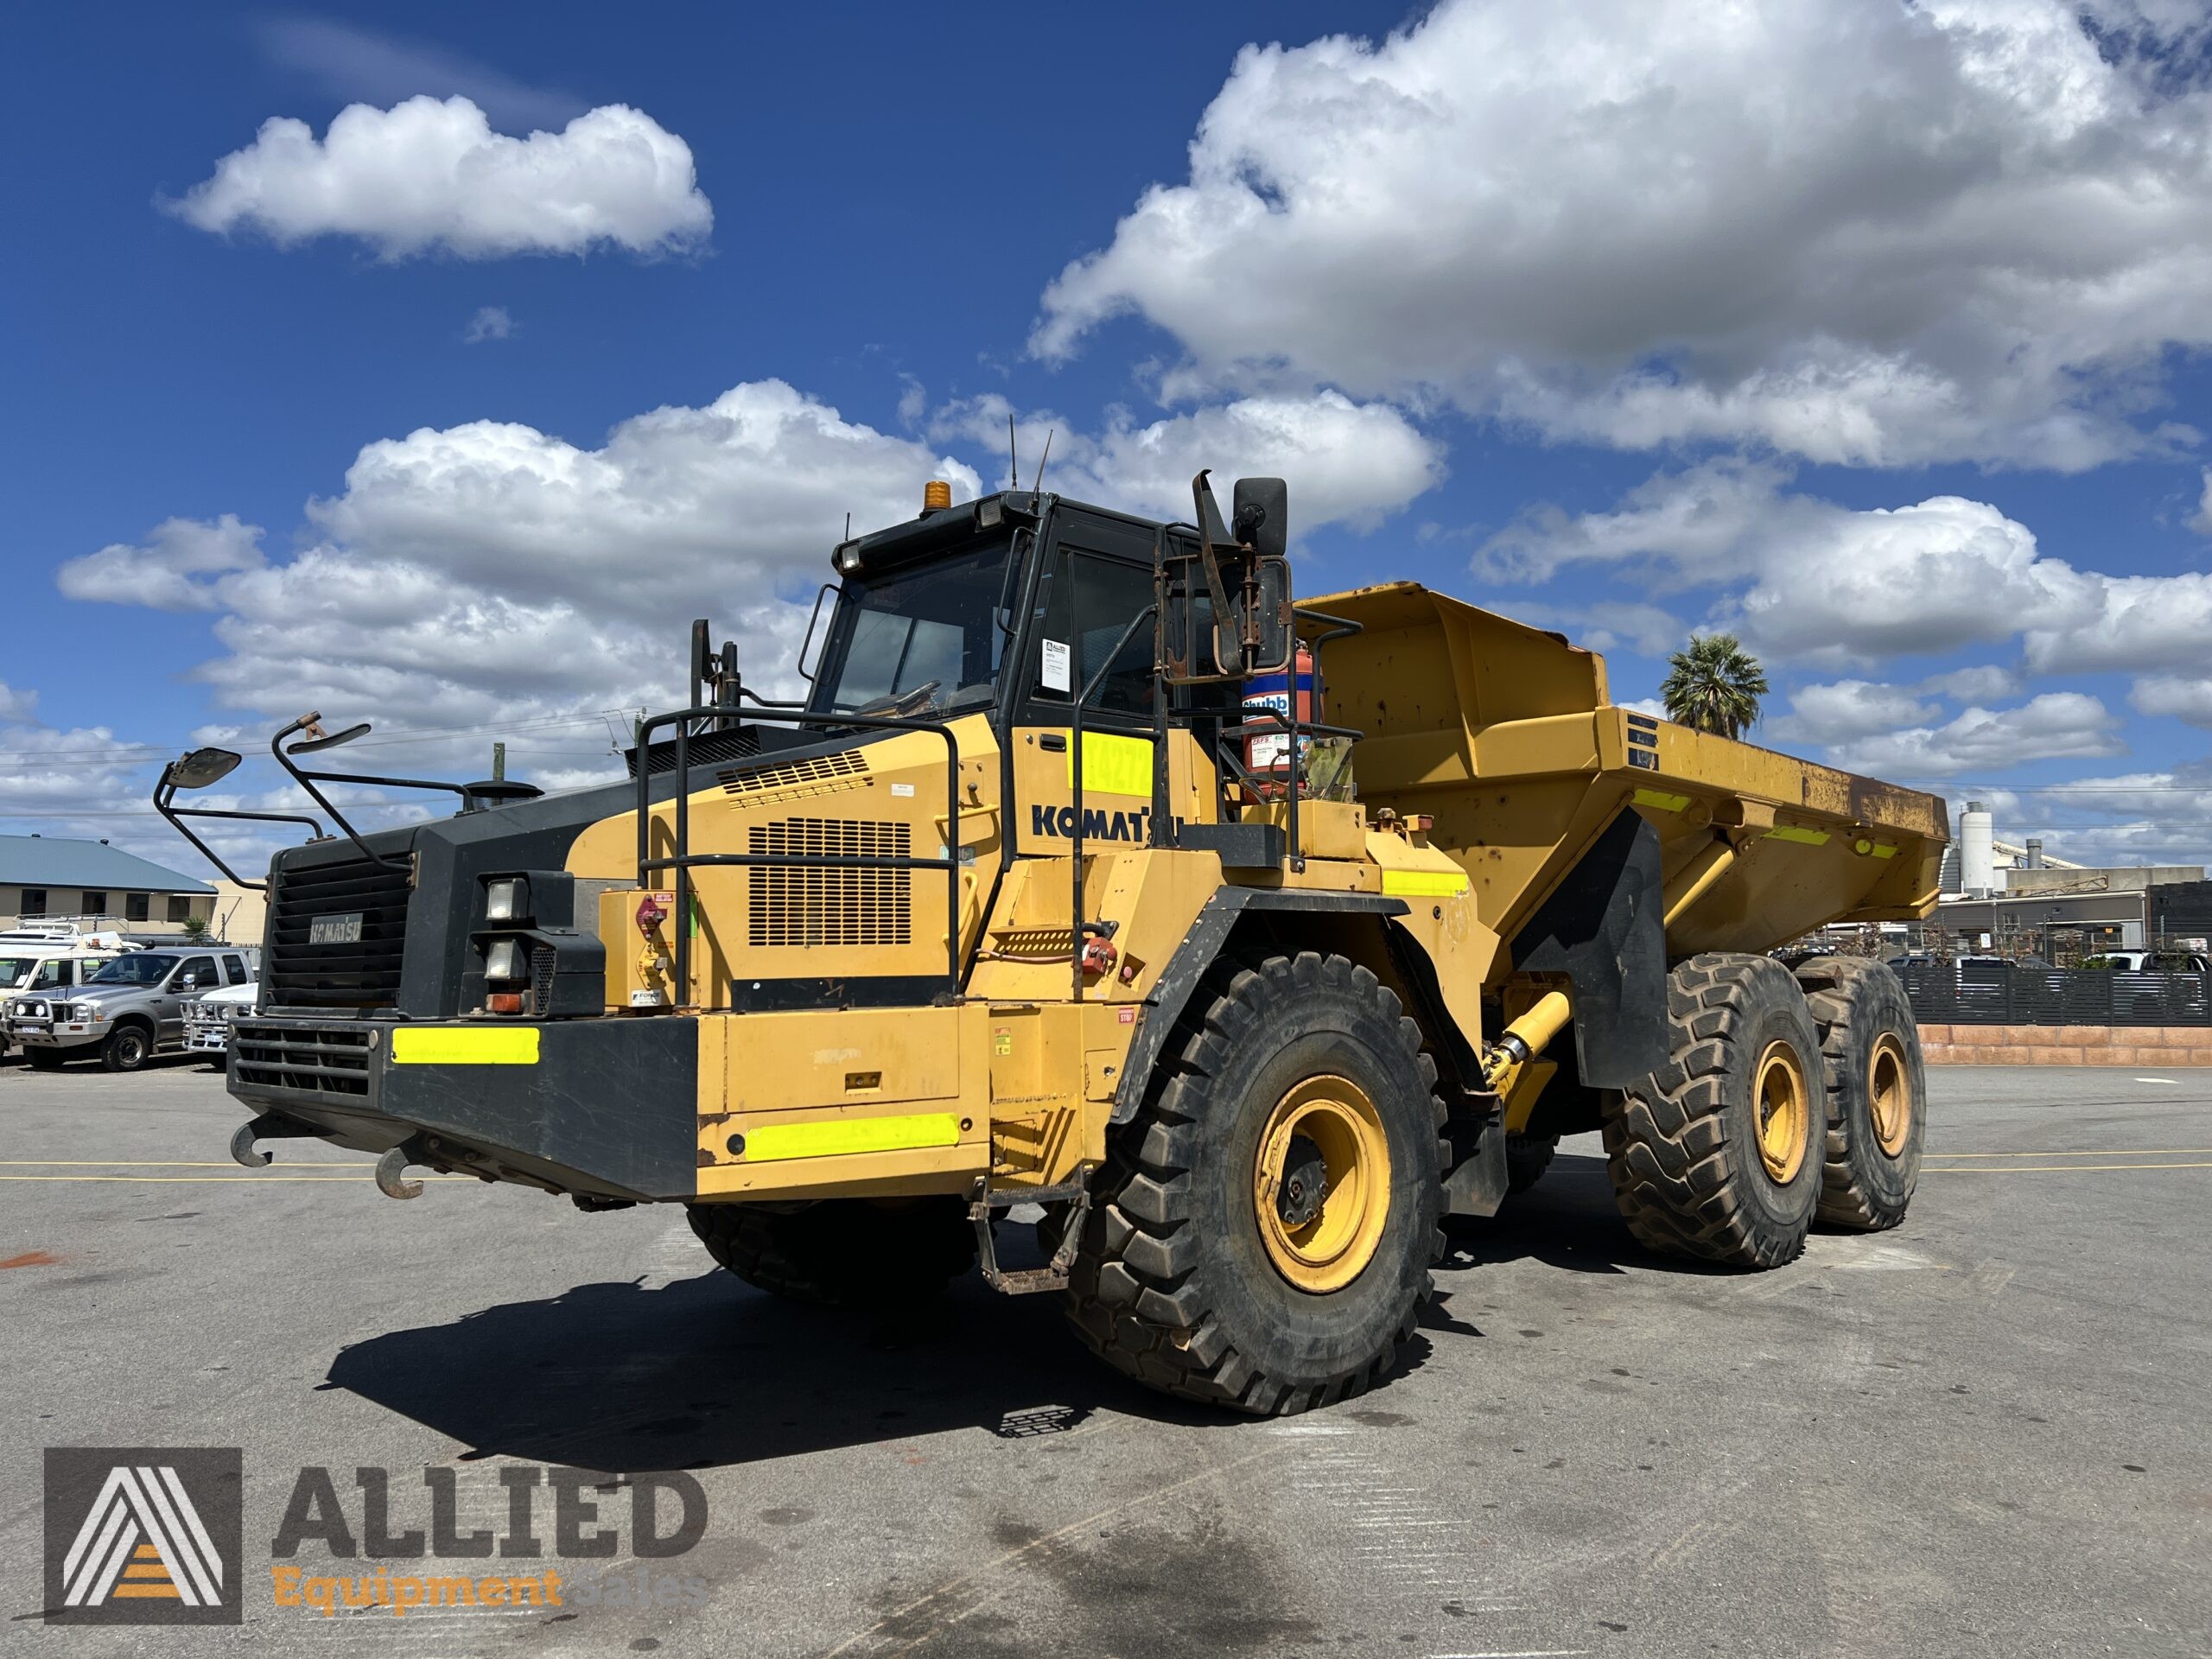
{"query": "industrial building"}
(48, 879)
(1996, 890)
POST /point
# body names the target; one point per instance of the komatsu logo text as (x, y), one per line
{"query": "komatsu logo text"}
(1098, 823)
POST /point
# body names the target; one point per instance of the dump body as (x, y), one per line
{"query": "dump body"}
(1506, 737)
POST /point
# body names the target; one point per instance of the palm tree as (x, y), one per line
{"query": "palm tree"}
(1714, 685)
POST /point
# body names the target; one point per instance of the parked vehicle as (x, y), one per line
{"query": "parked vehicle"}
(207, 1021)
(50, 960)
(2151, 962)
(126, 1012)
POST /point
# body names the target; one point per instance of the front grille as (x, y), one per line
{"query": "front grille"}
(358, 974)
(798, 905)
(321, 1060)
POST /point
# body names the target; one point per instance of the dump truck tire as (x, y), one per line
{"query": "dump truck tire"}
(1527, 1158)
(1213, 1264)
(842, 1252)
(1877, 1089)
(1717, 1155)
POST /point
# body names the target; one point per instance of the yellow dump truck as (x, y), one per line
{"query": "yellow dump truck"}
(1247, 938)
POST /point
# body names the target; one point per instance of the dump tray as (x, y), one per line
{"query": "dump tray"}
(1506, 735)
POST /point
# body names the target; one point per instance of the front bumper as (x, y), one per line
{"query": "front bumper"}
(50, 1033)
(207, 1040)
(605, 1108)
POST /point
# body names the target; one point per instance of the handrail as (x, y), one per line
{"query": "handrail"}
(683, 860)
(1075, 768)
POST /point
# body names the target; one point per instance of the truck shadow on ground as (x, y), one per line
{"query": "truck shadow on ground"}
(1568, 1220)
(706, 1372)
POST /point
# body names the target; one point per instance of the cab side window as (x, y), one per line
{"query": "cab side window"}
(234, 970)
(53, 974)
(198, 969)
(1090, 601)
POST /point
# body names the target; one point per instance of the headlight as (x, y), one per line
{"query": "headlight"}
(506, 960)
(506, 900)
(86, 1012)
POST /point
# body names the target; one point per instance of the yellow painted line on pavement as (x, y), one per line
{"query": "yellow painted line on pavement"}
(2037, 1169)
(2091, 1152)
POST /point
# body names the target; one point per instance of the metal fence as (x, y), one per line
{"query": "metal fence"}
(2007, 994)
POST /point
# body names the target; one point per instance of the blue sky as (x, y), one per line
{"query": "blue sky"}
(1875, 335)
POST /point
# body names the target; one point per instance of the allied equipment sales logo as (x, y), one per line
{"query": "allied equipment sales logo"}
(142, 1535)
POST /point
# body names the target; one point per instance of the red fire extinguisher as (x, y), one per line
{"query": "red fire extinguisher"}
(1293, 693)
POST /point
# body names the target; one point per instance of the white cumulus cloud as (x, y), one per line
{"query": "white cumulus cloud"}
(2056, 725)
(1346, 463)
(1809, 581)
(429, 175)
(1868, 233)
(491, 572)
(1844, 710)
(168, 572)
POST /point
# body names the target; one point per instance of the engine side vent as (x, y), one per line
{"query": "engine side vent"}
(797, 905)
(795, 780)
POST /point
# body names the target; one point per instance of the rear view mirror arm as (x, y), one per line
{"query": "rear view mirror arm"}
(164, 803)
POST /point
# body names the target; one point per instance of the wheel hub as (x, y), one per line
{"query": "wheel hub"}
(1888, 1095)
(1321, 1188)
(1306, 1184)
(1782, 1101)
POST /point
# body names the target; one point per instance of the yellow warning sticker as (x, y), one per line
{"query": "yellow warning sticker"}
(827, 1137)
(1424, 884)
(1113, 765)
(1661, 799)
(464, 1045)
(1794, 832)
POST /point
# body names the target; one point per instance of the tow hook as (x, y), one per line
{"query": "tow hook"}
(392, 1165)
(267, 1126)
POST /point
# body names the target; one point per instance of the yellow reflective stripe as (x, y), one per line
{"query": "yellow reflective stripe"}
(825, 1137)
(1660, 798)
(1424, 884)
(464, 1045)
(1113, 765)
(1881, 851)
(1791, 832)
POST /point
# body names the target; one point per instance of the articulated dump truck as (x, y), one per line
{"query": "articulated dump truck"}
(1248, 938)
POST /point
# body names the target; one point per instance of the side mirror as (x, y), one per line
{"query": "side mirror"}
(1262, 519)
(201, 768)
(317, 745)
(189, 983)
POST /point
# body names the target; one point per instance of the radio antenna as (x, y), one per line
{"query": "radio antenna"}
(1012, 455)
(1038, 483)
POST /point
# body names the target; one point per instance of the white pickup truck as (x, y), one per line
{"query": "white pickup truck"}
(208, 1022)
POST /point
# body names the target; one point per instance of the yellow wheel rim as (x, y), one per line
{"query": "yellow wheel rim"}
(1782, 1102)
(1323, 1134)
(1888, 1095)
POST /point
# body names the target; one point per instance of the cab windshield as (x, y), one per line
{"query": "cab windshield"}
(140, 968)
(16, 970)
(917, 641)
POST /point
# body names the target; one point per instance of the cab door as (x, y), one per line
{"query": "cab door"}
(1094, 585)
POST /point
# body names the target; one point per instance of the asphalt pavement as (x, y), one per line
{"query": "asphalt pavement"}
(1983, 1433)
